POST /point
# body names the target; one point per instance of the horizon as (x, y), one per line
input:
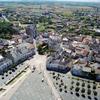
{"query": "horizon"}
(94, 1)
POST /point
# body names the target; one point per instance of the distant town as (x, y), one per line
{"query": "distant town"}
(49, 51)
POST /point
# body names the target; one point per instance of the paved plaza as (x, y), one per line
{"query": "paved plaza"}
(33, 89)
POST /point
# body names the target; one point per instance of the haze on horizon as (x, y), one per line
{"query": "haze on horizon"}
(56, 0)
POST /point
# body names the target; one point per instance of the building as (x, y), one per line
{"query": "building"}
(57, 64)
(16, 56)
(5, 64)
(31, 31)
(11, 65)
(86, 71)
(57, 68)
(20, 53)
(4, 42)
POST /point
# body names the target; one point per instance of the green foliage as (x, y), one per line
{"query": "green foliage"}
(50, 21)
(6, 30)
(2, 51)
(67, 14)
(43, 19)
(42, 49)
(41, 28)
(85, 31)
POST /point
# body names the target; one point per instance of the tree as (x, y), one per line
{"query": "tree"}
(6, 30)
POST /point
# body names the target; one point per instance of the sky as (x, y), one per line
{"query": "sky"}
(56, 0)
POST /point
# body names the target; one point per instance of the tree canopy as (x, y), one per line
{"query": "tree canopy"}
(6, 30)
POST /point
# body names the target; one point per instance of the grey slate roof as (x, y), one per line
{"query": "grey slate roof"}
(20, 52)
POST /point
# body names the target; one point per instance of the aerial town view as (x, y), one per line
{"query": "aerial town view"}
(49, 49)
